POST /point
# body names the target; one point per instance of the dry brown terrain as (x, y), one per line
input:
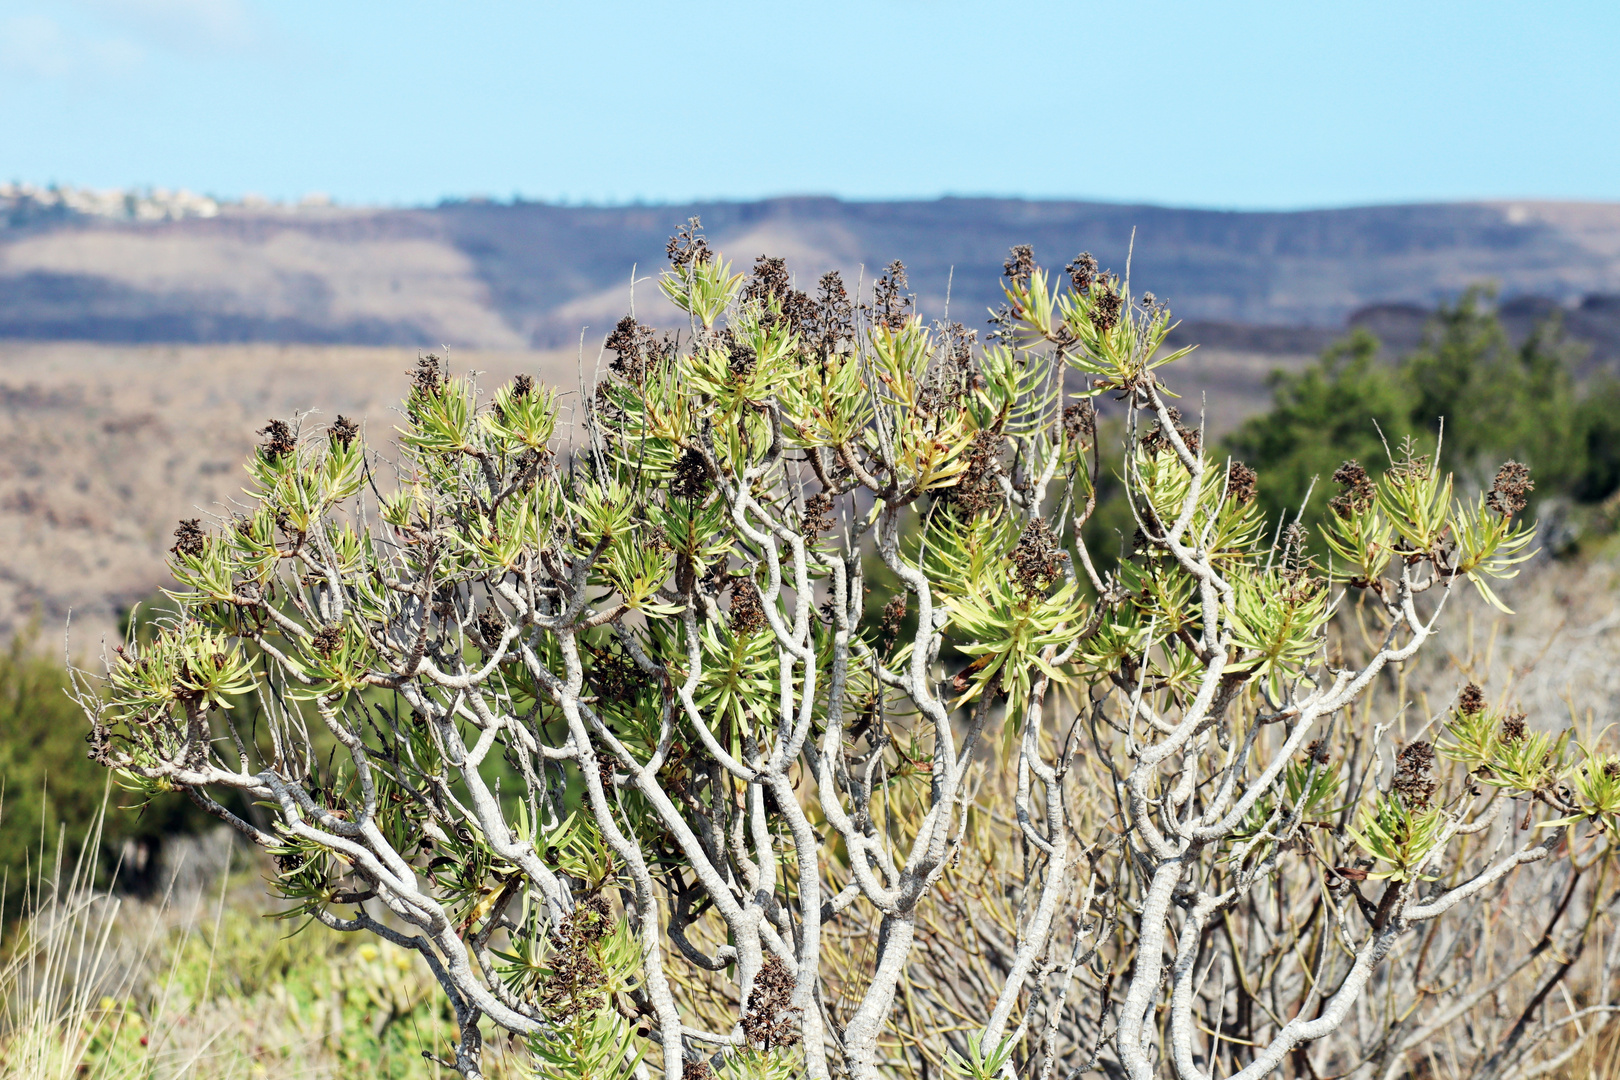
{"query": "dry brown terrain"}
(103, 448)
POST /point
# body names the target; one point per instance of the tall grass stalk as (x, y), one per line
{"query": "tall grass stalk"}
(55, 972)
(203, 983)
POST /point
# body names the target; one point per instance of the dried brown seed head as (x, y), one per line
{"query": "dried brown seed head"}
(599, 921)
(1037, 559)
(576, 980)
(894, 617)
(1157, 439)
(1082, 271)
(189, 538)
(1471, 700)
(1413, 781)
(691, 476)
(1241, 483)
(818, 517)
(1356, 490)
(491, 627)
(1508, 493)
(891, 305)
(1080, 423)
(978, 488)
(344, 432)
(636, 350)
(747, 608)
(688, 247)
(770, 283)
(279, 439)
(770, 1018)
(961, 341)
(1020, 264)
(605, 406)
(740, 356)
(1105, 310)
(769, 278)
(829, 325)
(327, 640)
(428, 378)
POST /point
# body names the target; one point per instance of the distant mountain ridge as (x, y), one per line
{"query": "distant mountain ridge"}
(492, 275)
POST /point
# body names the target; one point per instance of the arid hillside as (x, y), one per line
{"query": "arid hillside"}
(104, 448)
(503, 276)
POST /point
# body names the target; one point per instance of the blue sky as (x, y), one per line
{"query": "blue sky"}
(1235, 104)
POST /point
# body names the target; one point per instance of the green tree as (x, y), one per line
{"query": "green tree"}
(1492, 401)
(1496, 400)
(1597, 424)
(1320, 417)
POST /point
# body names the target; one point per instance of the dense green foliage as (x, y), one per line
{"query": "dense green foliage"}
(1494, 400)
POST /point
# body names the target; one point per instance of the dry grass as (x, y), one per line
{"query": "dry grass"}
(200, 984)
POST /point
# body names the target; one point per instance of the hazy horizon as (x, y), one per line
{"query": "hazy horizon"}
(323, 198)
